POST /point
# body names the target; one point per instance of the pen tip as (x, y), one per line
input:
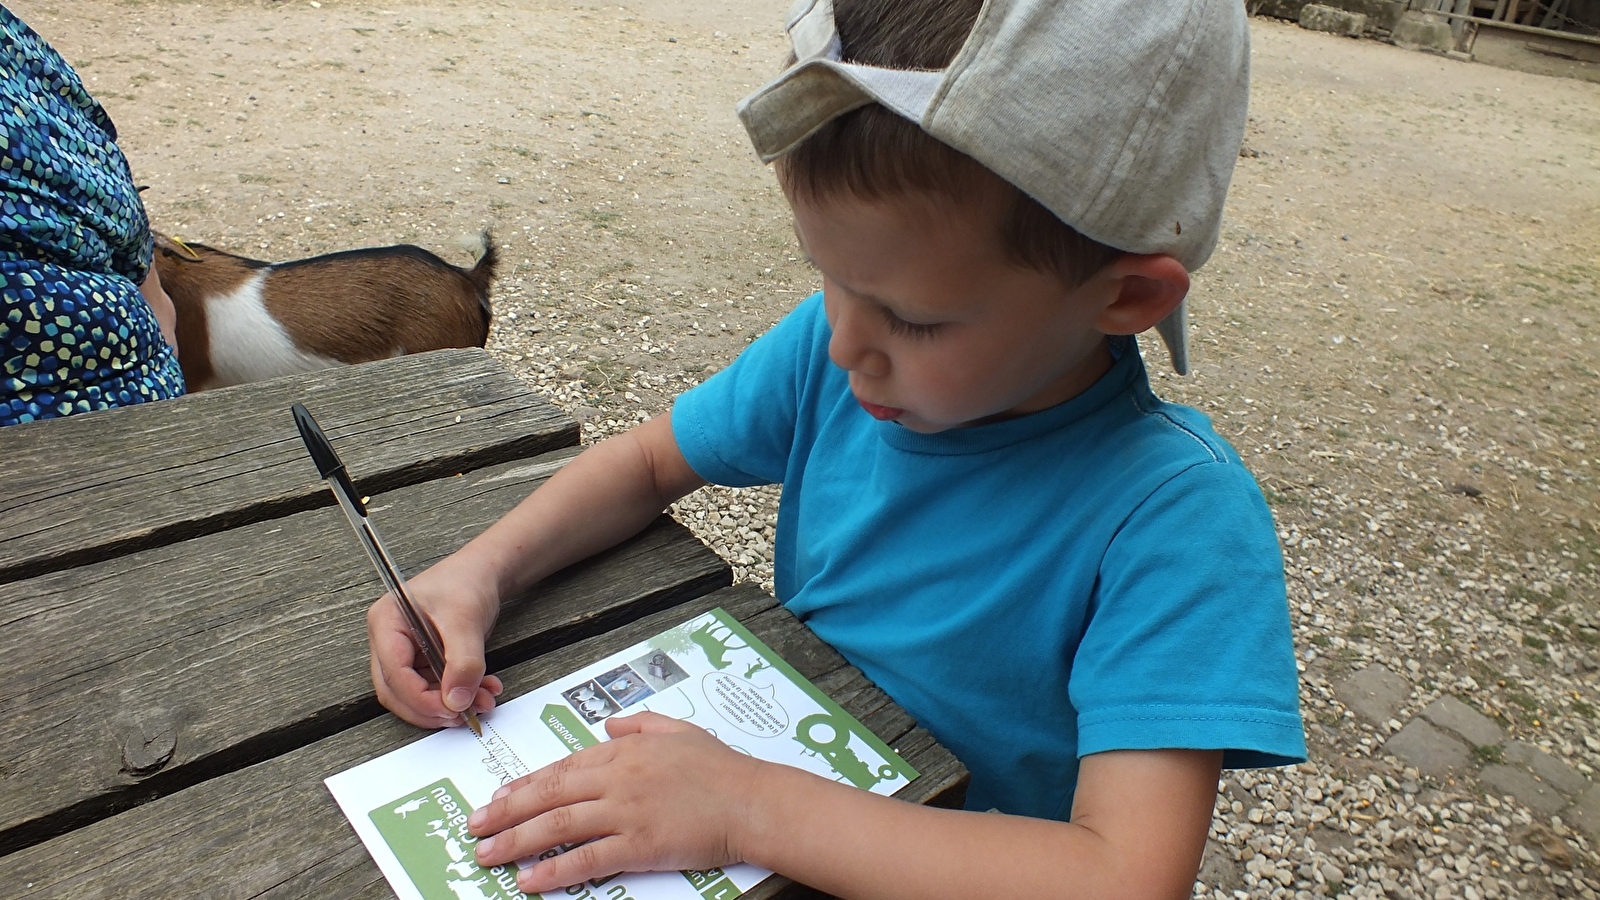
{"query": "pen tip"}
(472, 722)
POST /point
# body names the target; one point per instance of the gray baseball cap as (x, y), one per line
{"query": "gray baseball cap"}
(1122, 117)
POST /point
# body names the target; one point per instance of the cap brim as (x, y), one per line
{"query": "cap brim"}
(808, 95)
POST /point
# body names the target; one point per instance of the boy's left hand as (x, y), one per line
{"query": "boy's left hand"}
(660, 795)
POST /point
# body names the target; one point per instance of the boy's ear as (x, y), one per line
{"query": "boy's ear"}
(1143, 289)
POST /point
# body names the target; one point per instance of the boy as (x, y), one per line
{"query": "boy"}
(984, 507)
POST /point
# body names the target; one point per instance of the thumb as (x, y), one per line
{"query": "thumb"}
(463, 667)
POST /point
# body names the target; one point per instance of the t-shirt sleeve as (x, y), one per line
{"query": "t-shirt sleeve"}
(738, 427)
(1188, 644)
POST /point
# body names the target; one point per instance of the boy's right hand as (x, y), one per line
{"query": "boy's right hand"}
(463, 609)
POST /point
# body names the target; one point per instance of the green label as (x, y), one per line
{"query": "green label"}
(427, 830)
(826, 734)
(564, 724)
(712, 884)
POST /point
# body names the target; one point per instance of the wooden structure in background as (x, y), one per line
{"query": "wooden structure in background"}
(1569, 29)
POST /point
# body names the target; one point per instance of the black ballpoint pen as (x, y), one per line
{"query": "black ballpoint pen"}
(331, 468)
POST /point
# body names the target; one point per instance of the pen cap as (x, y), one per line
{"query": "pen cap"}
(329, 466)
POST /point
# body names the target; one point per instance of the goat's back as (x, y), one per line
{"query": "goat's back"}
(360, 305)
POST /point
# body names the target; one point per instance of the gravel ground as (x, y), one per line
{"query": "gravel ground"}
(1436, 505)
(1398, 333)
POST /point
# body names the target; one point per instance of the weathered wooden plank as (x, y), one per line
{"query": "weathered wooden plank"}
(272, 832)
(89, 487)
(796, 644)
(143, 674)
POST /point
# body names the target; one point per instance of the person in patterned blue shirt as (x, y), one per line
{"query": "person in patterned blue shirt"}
(84, 324)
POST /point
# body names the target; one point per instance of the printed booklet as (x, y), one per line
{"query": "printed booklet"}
(410, 806)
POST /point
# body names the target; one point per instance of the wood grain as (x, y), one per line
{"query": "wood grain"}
(143, 674)
(271, 831)
(88, 487)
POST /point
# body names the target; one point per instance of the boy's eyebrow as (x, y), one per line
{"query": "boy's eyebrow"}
(899, 310)
(870, 298)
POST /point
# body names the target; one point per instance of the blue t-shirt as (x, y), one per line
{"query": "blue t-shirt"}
(1101, 575)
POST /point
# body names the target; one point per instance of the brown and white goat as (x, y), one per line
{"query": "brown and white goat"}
(242, 320)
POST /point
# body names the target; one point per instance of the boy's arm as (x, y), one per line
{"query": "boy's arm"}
(1138, 829)
(666, 795)
(607, 494)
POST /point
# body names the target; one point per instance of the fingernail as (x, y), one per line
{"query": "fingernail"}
(485, 847)
(459, 699)
(476, 819)
(503, 790)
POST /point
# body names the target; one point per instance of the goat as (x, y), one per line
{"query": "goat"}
(242, 320)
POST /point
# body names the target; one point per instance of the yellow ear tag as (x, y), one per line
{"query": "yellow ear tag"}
(184, 247)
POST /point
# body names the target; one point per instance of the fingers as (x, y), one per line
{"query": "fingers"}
(560, 783)
(647, 802)
(403, 682)
(536, 812)
(395, 679)
(463, 672)
(647, 722)
(597, 859)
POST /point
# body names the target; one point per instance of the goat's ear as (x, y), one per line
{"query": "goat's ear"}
(173, 248)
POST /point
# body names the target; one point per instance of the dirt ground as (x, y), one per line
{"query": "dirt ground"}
(1399, 331)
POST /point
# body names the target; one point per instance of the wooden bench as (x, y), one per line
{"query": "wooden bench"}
(182, 628)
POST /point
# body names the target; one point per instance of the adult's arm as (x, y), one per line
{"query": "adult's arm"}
(161, 305)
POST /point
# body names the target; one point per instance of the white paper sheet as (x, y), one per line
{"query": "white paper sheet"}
(410, 806)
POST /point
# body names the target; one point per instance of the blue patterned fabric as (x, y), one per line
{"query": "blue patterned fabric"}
(75, 333)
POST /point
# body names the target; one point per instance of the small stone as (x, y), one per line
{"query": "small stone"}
(1315, 17)
(1551, 847)
(1419, 31)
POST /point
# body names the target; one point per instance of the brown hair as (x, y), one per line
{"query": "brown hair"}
(872, 153)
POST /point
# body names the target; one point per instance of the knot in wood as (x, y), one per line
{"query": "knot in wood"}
(145, 749)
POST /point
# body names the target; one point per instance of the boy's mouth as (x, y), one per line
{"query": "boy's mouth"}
(882, 413)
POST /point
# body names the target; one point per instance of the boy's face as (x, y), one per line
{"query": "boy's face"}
(937, 327)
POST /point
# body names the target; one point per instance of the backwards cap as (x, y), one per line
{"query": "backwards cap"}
(1122, 117)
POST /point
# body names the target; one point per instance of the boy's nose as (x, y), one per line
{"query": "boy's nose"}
(851, 347)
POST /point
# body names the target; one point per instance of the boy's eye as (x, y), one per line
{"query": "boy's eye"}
(900, 326)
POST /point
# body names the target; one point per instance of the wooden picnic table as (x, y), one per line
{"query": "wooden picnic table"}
(182, 622)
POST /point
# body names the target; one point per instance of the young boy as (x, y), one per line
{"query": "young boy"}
(1074, 586)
